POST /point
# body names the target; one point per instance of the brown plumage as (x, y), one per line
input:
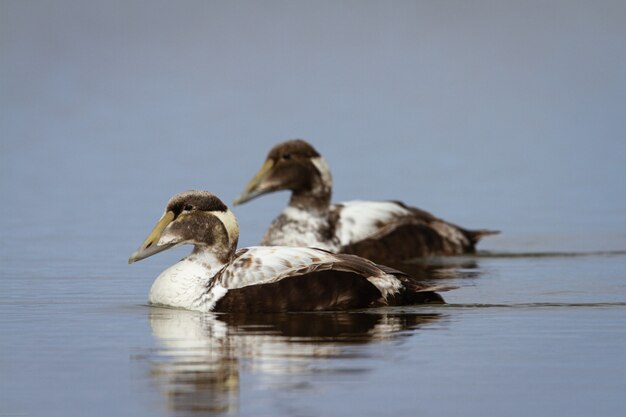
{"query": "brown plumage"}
(324, 282)
(216, 277)
(385, 232)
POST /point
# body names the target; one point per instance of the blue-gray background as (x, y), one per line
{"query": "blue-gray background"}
(508, 115)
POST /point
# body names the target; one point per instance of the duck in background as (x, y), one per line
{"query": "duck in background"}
(383, 231)
(218, 277)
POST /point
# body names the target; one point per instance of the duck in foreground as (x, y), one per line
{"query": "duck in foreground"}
(218, 277)
(383, 231)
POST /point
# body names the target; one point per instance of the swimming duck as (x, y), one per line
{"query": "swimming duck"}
(383, 231)
(218, 277)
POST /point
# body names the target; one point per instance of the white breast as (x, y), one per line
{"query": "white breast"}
(359, 220)
(300, 228)
(185, 285)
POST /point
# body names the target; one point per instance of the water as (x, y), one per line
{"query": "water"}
(109, 109)
(522, 335)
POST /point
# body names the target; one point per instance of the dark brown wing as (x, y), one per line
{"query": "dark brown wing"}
(315, 291)
(401, 242)
(472, 235)
(419, 235)
(347, 282)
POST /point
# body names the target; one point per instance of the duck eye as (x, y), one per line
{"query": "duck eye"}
(188, 207)
(286, 155)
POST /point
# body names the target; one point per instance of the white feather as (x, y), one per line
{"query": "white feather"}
(266, 264)
(301, 228)
(358, 219)
(387, 284)
(230, 223)
(324, 170)
(185, 284)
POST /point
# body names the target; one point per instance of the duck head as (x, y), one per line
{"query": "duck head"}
(293, 165)
(193, 217)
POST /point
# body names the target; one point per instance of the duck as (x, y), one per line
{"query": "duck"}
(388, 232)
(216, 276)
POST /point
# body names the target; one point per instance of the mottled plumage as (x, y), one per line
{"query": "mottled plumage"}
(216, 277)
(383, 231)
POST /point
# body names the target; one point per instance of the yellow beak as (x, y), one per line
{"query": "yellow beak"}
(150, 246)
(254, 187)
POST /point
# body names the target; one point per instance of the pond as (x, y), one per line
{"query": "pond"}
(501, 116)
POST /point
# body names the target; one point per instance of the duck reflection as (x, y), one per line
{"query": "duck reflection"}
(202, 355)
(195, 367)
(436, 268)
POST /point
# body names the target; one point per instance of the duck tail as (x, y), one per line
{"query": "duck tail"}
(475, 235)
(424, 294)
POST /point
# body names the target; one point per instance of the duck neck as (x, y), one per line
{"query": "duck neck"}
(212, 259)
(315, 197)
(318, 203)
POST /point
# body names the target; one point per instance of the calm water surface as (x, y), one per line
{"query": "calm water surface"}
(503, 115)
(521, 336)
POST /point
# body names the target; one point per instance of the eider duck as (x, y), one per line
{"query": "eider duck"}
(387, 232)
(218, 277)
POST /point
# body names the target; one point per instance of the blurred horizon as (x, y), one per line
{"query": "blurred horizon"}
(502, 115)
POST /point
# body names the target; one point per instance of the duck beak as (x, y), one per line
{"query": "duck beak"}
(255, 187)
(150, 246)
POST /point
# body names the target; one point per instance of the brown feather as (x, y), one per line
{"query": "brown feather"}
(340, 285)
(315, 291)
(401, 242)
(415, 234)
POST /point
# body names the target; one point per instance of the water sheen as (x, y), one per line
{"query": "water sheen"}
(552, 326)
(499, 115)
